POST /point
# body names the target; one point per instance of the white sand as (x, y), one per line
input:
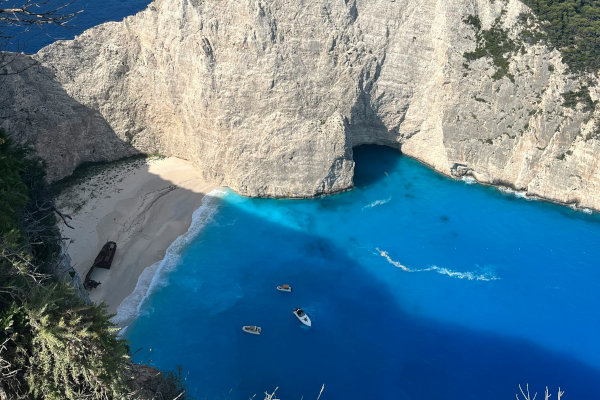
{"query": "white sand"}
(143, 206)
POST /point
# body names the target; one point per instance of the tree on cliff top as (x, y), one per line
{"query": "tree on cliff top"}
(573, 27)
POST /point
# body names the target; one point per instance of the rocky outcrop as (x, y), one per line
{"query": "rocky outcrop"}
(269, 97)
(148, 383)
(64, 271)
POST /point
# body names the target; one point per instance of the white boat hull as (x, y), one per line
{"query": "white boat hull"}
(284, 289)
(251, 329)
(303, 318)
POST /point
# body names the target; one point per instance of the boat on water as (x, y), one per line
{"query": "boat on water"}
(253, 329)
(301, 315)
(284, 288)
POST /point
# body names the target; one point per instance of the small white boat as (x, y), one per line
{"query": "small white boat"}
(301, 315)
(284, 288)
(253, 329)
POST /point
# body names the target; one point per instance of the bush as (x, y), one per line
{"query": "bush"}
(573, 27)
(494, 43)
(53, 345)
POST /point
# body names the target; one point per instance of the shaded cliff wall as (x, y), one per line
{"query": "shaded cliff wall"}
(36, 109)
(269, 97)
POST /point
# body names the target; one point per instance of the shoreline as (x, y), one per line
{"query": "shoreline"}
(506, 187)
(148, 207)
(150, 276)
(144, 206)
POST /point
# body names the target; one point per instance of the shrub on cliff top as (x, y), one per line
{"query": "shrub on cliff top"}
(573, 27)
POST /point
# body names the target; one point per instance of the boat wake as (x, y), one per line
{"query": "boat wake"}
(469, 275)
(150, 278)
(377, 203)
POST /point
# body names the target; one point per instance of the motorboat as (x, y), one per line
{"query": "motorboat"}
(301, 315)
(253, 329)
(284, 288)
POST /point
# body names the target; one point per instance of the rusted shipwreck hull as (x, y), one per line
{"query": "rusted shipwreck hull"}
(106, 255)
(103, 260)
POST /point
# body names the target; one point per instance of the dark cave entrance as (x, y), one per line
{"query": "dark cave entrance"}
(373, 163)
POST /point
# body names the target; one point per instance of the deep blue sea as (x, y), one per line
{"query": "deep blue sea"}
(31, 39)
(418, 287)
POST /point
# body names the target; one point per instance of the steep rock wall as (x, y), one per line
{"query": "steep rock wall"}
(269, 97)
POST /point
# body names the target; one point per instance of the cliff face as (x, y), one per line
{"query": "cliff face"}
(269, 97)
(34, 108)
(64, 271)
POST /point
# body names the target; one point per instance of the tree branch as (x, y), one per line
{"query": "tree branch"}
(64, 217)
(24, 15)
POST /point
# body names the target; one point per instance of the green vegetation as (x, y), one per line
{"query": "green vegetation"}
(88, 169)
(572, 98)
(494, 43)
(530, 34)
(53, 345)
(573, 27)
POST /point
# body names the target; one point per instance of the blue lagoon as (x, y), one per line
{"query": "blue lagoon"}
(418, 287)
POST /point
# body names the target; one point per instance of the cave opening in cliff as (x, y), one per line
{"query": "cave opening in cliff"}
(373, 163)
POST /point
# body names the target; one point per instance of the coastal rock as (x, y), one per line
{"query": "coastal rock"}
(268, 97)
(64, 271)
(148, 383)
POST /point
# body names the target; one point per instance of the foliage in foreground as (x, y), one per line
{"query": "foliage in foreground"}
(52, 344)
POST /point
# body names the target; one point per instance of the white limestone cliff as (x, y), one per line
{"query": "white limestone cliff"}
(270, 96)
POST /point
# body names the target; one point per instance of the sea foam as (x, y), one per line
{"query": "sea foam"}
(521, 194)
(150, 278)
(484, 275)
(377, 203)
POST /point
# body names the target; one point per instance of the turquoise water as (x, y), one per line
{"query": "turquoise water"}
(418, 287)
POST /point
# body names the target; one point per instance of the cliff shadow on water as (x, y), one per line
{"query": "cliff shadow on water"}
(364, 342)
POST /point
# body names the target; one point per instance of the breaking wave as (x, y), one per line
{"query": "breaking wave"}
(521, 194)
(484, 275)
(150, 278)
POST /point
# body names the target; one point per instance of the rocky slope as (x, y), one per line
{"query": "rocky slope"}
(270, 96)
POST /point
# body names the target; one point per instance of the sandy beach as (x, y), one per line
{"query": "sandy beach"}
(143, 205)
